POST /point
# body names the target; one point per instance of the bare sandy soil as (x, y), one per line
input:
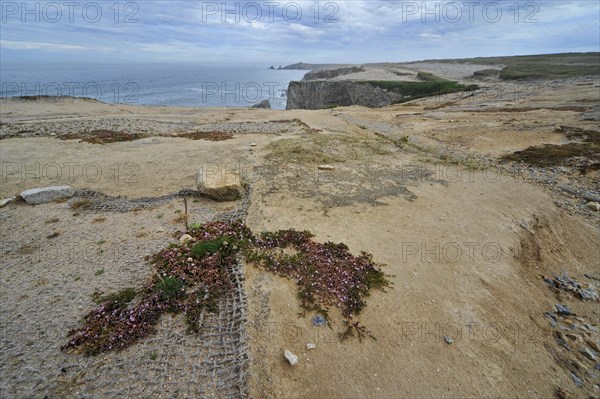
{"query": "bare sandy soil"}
(463, 237)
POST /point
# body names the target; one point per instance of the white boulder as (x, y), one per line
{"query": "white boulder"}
(43, 195)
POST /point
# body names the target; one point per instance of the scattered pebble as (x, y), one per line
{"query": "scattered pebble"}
(253, 144)
(587, 352)
(6, 201)
(310, 346)
(594, 206)
(576, 380)
(185, 238)
(551, 318)
(291, 358)
(448, 340)
(563, 310)
(325, 167)
(319, 321)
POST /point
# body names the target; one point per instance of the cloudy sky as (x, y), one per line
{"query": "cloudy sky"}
(280, 32)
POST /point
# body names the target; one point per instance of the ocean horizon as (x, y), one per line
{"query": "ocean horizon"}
(183, 85)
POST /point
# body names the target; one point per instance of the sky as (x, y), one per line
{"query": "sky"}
(283, 32)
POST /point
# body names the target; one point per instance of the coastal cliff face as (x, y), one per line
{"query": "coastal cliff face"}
(319, 94)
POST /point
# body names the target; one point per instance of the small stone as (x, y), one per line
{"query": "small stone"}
(185, 238)
(597, 366)
(160, 230)
(595, 346)
(310, 346)
(568, 321)
(319, 321)
(594, 206)
(563, 310)
(6, 201)
(576, 380)
(587, 294)
(291, 358)
(36, 196)
(325, 167)
(448, 340)
(573, 337)
(253, 144)
(587, 352)
(220, 185)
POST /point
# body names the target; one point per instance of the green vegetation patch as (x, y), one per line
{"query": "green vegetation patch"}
(429, 77)
(413, 90)
(192, 277)
(327, 275)
(545, 66)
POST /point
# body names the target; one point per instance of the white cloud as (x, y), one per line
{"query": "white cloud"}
(20, 45)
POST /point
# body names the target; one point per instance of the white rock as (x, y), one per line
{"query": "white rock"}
(6, 201)
(325, 167)
(291, 358)
(594, 206)
(221, 185)
(43, 195)
(253, 144)
(310, 346)
(185, 238)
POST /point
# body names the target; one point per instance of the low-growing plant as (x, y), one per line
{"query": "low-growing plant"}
(207, 247)
(327, 275)
(192, 277)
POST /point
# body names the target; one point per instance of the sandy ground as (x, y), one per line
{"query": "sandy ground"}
(464, 246)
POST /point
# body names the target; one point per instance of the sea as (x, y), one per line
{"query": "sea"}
(186, 85)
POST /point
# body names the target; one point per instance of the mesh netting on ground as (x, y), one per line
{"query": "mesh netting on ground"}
(36, 315)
